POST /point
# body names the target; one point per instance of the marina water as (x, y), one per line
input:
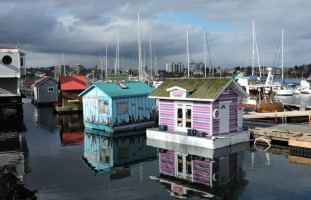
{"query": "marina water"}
(47, 151)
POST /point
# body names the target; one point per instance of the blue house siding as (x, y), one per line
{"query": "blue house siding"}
(139, 113)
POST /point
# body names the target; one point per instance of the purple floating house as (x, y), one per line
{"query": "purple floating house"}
(200, 112)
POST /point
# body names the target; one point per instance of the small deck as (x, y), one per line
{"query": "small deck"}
(273, 115)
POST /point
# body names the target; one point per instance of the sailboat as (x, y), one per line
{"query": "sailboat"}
(259, 88)
(283, 89)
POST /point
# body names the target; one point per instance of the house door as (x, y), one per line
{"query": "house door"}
(183, 117)
(223, 117)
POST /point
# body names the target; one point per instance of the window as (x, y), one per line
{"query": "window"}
(122, 108)
(103, 106)
(22, 61)
(50, 89)
(7, 60)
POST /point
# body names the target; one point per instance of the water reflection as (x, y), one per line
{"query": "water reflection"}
(14, 162)
(45, 118)
(115, 154)
(72, 129)
(188, 171)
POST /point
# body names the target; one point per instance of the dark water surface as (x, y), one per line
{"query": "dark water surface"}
(52, 155)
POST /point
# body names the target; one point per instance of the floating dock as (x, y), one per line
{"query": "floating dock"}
(285, 114)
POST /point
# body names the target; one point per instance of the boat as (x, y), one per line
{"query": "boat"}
(283, 89)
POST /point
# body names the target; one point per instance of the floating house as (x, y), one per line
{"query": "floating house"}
(12, 67)
(193, 171)
(115, 154)
(118, 106)
(200, 112)
(45, 91)
(69, 89)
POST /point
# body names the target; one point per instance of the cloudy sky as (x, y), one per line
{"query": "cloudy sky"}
(77, 29)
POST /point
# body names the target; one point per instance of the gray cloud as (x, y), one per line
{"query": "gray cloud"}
(78, 28)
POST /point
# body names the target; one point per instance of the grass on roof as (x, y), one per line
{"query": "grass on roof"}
(205, 88)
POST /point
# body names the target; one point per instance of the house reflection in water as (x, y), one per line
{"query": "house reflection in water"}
(192, 171)
(115, 154)
(72, 129)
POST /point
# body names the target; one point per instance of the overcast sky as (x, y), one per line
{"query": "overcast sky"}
(77, 29)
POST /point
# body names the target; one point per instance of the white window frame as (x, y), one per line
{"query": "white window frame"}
(50, 88)
(184, 106)
(105, 107)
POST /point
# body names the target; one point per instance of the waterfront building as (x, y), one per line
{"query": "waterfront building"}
(118, 106)
(45, 91)
(114, 154)
(12, 67)
(200, 112)
(69, 89)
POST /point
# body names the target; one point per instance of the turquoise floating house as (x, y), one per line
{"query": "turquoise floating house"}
(114, 107)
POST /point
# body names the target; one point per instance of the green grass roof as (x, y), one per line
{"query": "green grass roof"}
(204, 88)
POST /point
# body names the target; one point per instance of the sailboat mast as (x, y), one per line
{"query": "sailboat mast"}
(188, 57)
(253, 49)
(204, 54)
(106, 59)
(282, 60)
(150, 52)
(139, 49)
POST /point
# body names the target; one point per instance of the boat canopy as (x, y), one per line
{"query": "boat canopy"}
(252, 78)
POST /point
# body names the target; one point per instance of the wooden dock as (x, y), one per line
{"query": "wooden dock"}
(286, 114)
(291, 138)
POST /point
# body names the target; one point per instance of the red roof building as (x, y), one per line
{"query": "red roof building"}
(72, 83)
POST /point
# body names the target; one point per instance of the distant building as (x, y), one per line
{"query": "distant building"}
(45, 91)
(175, 67)
(69, 89)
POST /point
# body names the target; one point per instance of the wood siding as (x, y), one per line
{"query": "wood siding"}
(231, 96)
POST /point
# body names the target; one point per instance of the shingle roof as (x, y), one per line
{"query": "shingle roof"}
(204, 88)
(134, 88)
(72, 82)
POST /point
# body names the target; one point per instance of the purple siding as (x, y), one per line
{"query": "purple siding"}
(227, 95)
(202, 171)
(202, 116)
(166, 114)
(167, 163)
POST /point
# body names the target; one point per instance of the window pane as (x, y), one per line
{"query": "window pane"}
(188, 118)
(103, 106)
(122, 108)
(179, 117)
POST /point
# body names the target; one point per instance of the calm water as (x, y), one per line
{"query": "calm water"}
(53, 155)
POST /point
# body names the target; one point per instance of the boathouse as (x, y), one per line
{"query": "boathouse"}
(118, 106)
(12, 67)
(45, 91)
(69, 89)
(200, 108)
